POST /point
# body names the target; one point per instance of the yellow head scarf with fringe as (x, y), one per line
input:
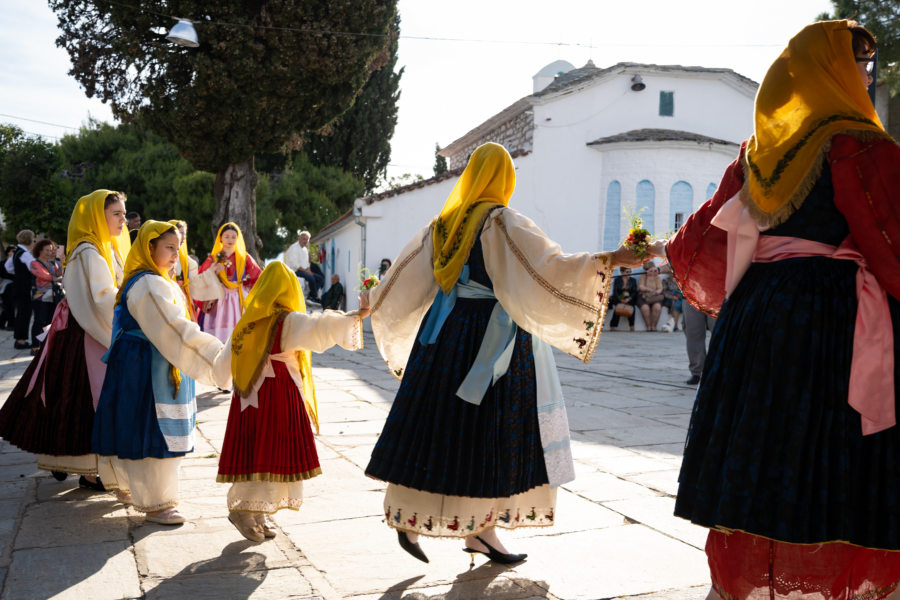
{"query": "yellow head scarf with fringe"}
(185, 263)
(240, 260)
(88, 224)
(811, 92)
(488, 181)
(277, 292)
(140, 259)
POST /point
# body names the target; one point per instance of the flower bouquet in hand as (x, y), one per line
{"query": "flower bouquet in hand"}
(639, 239)
(367, 280)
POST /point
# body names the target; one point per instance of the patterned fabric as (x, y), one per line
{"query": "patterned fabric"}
(773, 448)
(435, 442)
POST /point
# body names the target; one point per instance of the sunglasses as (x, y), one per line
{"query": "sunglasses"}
(870, 64)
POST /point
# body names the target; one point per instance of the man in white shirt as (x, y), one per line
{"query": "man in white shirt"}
(296, 257)
(19, 264)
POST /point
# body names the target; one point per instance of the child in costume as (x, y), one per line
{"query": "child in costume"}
(238, 276)
(195, 285)
(147, 410)
(51, 410)
(269, 449)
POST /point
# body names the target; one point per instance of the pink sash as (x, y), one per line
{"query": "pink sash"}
(60, 321)
(872, 366)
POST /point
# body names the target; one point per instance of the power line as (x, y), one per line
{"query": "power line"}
(36, 121)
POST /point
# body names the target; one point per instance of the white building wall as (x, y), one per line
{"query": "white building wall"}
(346, 260)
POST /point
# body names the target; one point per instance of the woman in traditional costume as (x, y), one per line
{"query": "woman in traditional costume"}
(51, 410)
(792, 453)
(240, 273)
(195, 285)
(147, 410)
(477, 436)
(269, 448)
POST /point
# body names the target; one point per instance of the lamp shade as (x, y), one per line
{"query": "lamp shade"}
(184, 34)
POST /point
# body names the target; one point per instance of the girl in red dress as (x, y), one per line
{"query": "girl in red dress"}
(269, 449)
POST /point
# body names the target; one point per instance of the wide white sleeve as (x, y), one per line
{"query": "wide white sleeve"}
(320, 331)
(91, 292)
(8, 265)
(158, 307)
(291, 257)
(222, 367)
(561, 298)
(400, 301)
(205, 285)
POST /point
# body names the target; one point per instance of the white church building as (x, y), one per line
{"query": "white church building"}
(589, 145)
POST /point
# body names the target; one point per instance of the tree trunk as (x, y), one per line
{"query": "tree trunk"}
(235, 190)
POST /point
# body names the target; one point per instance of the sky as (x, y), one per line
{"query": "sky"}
(479, 59)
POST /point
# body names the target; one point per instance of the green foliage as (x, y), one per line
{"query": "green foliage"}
(32, 195)
(305, 197)
(252, 86)
(440, 162)
(882, 18)
(359, 141)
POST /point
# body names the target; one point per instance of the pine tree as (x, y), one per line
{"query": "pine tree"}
(440, 162)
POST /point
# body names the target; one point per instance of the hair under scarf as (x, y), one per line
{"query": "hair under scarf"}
(140, 259)
(487, 182)
(88, 224)
(811, 92)
(240, 260)
(277, 292)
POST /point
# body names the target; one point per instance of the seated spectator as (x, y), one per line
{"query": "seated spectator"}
(296, 257)
(672, 299)
(334, 297)
(623, 298)
(650, 295)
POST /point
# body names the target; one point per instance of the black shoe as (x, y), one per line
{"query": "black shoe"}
(414, 549)
(97, 486)
(59, 475)
(21, 345)
(495, 555)
(694, 380)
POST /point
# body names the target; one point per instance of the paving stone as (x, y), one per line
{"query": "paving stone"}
(333, 506)
(659, 514)
(601, 487)
(17, 457)
(104, 571)
(661, 481)
(76, 523)
(283, 583)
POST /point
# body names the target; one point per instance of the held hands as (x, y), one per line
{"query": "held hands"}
(363, 304)
(625, 257)
(218, 268)
(658, 248)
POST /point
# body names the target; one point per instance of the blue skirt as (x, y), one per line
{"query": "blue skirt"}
(436, 442)
(125, 424)
(773, 448)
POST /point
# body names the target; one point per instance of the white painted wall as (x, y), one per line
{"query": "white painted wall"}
(346, 254)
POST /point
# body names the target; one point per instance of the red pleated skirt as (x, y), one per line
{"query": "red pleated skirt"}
(749, 567)
(273, 442)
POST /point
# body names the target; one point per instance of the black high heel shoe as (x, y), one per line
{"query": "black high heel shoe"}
(414, 549)
(495, 555)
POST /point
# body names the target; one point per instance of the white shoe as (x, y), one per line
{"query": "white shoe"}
(247, 525)
(169, 516)
(124, 497)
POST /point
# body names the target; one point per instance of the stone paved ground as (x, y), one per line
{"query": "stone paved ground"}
(615, 535)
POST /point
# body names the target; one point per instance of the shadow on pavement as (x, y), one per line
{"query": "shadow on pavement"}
(233, 574)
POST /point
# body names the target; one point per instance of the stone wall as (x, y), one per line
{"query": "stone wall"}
(516, 135)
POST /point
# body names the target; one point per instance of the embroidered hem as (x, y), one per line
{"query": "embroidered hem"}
(275, 477)
(84, 464)
(261, 506)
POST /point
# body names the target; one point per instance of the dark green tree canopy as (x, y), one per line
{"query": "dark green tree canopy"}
(359, 141)
(255, 84)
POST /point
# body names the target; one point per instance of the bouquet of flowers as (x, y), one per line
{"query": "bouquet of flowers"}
(222, 259)
(367, 279)
(638, 240)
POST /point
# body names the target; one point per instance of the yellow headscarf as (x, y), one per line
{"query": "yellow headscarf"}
(185, 268)
(140, 259)
(487, 182)
(240, 260)
(276, 293)
(810, 93)
(88, 224)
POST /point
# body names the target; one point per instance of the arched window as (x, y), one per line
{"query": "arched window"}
(646, 200)
(710, 190)
(612, 225)
(681, 200)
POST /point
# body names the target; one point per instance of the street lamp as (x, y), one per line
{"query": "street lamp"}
(184, 34)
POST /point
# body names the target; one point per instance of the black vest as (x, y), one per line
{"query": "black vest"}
(23, 277)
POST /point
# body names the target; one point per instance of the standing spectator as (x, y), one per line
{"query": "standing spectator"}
(133, 222)
(624, 293)
(47, 289)
(696, 324)
(296, 257)
(650, 295)
(335, 294)
(383, 267)
(7, 292)
(19, 265)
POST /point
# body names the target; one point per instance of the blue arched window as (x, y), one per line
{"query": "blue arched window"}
(710, 190)
(646, 200)
(612, 220)
(681, 200)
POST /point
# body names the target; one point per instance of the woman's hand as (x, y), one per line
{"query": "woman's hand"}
(218, 268)
(624, 257)
(658, 248)
(364, 304)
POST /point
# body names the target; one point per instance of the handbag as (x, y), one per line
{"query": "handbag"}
(624, 310)
(652, 298)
